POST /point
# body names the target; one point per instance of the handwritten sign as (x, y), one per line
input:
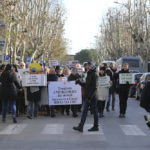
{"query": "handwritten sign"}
(64, 93)
(104, 81)
(126, 77)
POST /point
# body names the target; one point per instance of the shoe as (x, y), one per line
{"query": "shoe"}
(147, 122)
(14, 120)
(78, 128)
(113, 109)
(107, 109)
(94, 128)
(68, 113)
(101, 115)
(121, 116)
(3, 120)
(74, 115)
(29, 117)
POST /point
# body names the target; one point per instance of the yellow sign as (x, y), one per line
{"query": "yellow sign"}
(35, 65)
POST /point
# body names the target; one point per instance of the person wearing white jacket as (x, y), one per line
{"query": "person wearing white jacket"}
(102, 94)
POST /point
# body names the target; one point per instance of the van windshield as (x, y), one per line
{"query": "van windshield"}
(133, 63)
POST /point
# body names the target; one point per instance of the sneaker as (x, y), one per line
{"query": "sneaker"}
(78, 128)
(29, 117)
(147, 121)
(94, 128)
(14, 120)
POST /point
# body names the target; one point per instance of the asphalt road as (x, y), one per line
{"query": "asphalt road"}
(45, 133)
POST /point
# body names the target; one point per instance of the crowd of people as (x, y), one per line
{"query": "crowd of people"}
(18, 100)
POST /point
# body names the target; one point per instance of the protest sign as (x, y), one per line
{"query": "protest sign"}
(64, 93)
(126, 77)
(104, 81)
(73, 63)
(34, 80)
(53, 63)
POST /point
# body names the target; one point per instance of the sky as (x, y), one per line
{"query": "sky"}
(83, 20)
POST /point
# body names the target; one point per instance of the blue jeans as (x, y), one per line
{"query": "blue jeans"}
(5, 105)
(30, 108)
(93, 104)
(111, 94)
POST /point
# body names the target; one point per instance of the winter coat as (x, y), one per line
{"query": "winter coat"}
(73, 77)
(123, 88)
(145, 97)
(52, 77)
(9, 86)
(102, 93)
(90, 85)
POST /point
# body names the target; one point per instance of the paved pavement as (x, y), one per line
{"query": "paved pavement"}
(45, 133)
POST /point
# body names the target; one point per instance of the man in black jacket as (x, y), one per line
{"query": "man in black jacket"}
(90, 98)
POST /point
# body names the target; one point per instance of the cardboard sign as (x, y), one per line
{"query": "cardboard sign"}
(104, 81)
(64, 93)
(34, 80)
(53, 63)
(126, 77)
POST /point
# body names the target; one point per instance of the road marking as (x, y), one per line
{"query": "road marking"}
(132, 130)
(53, 129)
(88, 126)
(13, 129)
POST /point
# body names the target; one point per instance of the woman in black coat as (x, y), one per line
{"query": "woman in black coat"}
(9, 92)
(123, 92)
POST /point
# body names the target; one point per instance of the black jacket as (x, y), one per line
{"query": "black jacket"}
(91, 84)
(73, 77)
(145, 97)
(52, 77)
(9, 86)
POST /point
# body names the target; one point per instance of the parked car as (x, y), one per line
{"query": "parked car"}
(133, 87)
(141, 85)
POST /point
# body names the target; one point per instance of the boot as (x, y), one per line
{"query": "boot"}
(14, 120)
(78, 128)
(94, 128)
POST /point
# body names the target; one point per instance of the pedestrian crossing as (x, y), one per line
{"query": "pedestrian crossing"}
(62, 129)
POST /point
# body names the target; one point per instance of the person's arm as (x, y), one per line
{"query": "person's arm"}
(15, 80)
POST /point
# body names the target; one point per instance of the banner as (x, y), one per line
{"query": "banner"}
(104, 81)
(73, 63)
(64, 93)
(34, 80)
(126, 77)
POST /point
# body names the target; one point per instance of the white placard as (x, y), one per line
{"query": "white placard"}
(73, 63)
(104, 81)
(53, 63)
(64, 93)
(34, 80)
(126, 77)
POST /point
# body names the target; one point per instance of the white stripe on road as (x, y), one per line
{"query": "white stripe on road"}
(88, 126)
(132, 130)
(13, 129)
(53, 129)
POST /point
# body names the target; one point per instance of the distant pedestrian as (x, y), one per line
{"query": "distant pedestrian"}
(90, 98)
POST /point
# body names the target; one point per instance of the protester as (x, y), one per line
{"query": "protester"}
(22, 65)
(65, 75)
(112, 88)
(123, 90)
(145, 100)
(9, 92)
(58, 71)
(50, 78)
(33, 96)
(90, 94)
(73, 77)
(102, 93)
